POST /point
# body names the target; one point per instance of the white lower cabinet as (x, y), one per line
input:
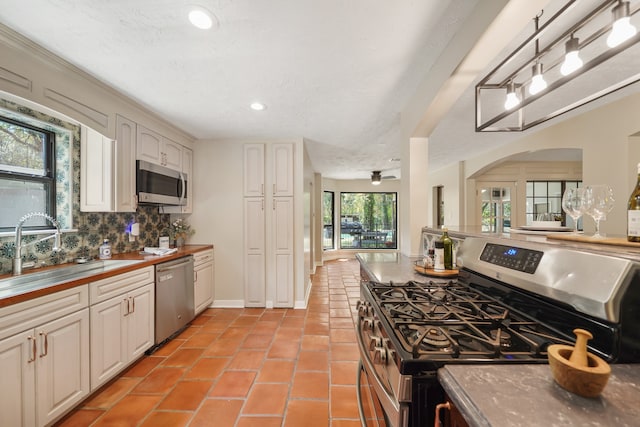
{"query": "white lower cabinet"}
(203, 280)
(122, 327)
(44, 371)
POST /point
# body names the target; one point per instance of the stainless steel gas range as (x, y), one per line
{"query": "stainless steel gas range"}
(508, 305)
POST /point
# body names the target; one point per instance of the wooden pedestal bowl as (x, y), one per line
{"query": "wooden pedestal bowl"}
(576, 370)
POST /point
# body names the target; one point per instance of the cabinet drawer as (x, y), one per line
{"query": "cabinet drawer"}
(202, 257)
(29, 314)
(110, 287)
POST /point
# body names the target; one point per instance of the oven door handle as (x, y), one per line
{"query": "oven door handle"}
(379, 387)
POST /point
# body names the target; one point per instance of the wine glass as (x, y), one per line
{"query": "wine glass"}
(572, 202)
(598, 202)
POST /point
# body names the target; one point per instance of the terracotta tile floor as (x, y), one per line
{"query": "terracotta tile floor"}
(246, 367)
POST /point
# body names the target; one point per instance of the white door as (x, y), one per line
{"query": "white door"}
(282, 251)
(254, 252)
(497, 206)
(125, 158)
(172, 152)
(140, 321)
(17, 370)
(62, 365)
(203, 286)
(254, 170)
(108, 339)
(282, 169)
(148, 145)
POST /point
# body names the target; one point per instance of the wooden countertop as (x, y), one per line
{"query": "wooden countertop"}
(145, 260)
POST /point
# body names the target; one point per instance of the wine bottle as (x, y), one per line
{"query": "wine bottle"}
(448, 249)
(633, 213)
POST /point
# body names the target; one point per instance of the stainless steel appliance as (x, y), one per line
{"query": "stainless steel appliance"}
(174, 297)
(158, 185)
(508, 305)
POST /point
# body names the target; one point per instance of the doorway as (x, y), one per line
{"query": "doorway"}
(497, 201)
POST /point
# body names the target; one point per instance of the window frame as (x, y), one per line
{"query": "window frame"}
(563, 186)
(332, 224)
(48, 179)
(394, 221)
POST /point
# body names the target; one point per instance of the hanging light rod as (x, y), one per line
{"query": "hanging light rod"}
(516, 73)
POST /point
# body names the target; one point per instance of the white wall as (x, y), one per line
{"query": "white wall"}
(606, 136)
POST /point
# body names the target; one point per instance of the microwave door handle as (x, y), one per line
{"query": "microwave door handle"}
(182, 187)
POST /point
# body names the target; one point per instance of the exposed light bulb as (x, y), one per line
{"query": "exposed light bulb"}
(200, 18)
(572, 59)
(512, 99)
(622, 29)
(538, 84)
(375, 182)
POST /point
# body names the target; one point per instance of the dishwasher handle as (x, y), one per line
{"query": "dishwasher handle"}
(168, 266)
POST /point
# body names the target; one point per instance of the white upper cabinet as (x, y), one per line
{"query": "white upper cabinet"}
(96, 172)
(254, 170)
(282, 169)
(107, 169)
(155, 148)
(125, 170)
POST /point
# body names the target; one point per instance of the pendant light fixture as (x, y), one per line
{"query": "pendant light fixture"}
(538, 84)
(622, 29)
(572, 42)
(512, 100)
(572, 61)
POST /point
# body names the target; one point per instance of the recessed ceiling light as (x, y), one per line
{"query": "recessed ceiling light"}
(258, 106)
(200, 18)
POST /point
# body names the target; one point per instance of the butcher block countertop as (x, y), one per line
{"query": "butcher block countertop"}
(144, 260)
(527, 396)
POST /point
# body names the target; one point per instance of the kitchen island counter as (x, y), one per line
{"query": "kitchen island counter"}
(527, 395)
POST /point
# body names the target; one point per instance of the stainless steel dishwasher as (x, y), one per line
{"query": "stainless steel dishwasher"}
(174, 297)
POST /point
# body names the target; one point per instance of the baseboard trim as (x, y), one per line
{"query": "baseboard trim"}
(228, 303)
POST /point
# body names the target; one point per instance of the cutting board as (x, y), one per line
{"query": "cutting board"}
(431, 272)
(614, 241)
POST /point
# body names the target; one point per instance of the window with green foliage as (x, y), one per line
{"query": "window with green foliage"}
(27, 173)
(368, 221)
(328, 206)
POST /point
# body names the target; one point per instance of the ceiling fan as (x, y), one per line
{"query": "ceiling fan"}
(376, 177)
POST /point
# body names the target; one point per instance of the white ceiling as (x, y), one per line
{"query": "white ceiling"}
(338, 73)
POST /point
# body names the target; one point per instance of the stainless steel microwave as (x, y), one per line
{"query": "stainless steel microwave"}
(158, 185)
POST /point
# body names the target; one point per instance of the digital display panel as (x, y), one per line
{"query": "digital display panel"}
(520, 259)
(511, 252)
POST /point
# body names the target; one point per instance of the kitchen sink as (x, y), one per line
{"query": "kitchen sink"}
(31, 281)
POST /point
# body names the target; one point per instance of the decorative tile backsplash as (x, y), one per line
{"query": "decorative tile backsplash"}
(92, 227)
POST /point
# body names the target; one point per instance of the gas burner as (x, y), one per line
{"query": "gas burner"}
(436, 338)
(503, 336)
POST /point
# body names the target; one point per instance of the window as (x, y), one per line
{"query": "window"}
(545, 197)
(327, 220)
(368, 220)
(27, 173)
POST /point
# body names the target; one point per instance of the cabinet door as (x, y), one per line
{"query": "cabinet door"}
(125, 165)
(62, 365)
(187, 170)
(108, 339)
(148, 145)
(172, 154)
(282, 251)
(254, 252)
(96, 176)
(203, 286)
(17, 370)
(140, 321)
(253, 170)
(282, 169)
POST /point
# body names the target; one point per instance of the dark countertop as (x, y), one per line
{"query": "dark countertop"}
(145, 260)
(527, 395)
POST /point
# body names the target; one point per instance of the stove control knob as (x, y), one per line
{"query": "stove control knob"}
(380, 356)
(364, 308)
(374, 342)
(367, 324)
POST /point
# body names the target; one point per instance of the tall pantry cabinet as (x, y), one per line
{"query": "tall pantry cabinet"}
(269, 224)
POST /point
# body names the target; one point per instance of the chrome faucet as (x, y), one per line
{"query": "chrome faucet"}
(17, 257)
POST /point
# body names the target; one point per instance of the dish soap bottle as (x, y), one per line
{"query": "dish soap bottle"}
(448, 249)
(105, 249)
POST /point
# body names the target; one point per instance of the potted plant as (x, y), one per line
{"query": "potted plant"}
(179, 231)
